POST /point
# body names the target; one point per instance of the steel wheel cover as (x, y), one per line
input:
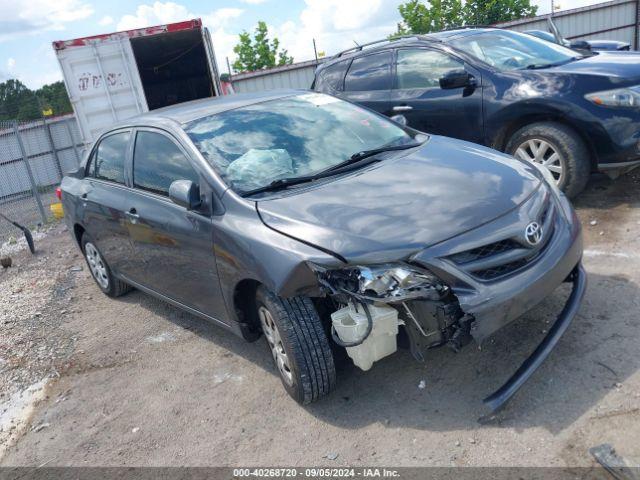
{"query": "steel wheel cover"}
(272, 335)
(96, 265)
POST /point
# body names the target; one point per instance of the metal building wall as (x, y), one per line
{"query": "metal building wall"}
(615, 20)
(298, 76)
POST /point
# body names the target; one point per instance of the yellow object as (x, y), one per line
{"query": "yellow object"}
(48, 112)
(57, 210)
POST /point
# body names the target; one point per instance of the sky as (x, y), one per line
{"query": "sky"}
(27, 27)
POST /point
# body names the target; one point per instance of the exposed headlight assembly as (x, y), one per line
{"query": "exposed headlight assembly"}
(620, 97)
(383, 283)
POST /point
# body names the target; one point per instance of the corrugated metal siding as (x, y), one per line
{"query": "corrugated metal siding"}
(614, 20)
(298, 76)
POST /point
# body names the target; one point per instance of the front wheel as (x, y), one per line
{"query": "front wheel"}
(298, 344)
(557, 148)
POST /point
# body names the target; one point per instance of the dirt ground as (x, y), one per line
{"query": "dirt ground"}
(87, 380)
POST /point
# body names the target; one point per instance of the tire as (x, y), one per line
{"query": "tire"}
(572, 155)
(100, 270)
(298, 344)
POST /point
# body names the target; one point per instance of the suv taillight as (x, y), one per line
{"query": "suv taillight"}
(59, 193)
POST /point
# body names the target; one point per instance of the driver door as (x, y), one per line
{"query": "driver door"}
(417, 95)
(173, 246)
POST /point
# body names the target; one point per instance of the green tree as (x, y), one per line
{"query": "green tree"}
(489, 12)
(418, 17)
(19, 102)
(54, 97)
(422, 17)
(259, 52)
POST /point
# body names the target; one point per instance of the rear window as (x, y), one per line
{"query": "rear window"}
(372, 72)
(108, 160)
(332, 77)
(158, 162)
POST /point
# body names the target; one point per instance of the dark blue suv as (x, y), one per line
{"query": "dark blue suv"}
(541, 102)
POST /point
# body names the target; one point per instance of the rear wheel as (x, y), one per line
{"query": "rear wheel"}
(100, 270)
(298, 344)
(557, 148)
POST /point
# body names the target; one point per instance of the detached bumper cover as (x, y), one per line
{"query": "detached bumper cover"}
(501, 396)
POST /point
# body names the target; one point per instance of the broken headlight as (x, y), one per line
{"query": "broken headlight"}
(383, 283)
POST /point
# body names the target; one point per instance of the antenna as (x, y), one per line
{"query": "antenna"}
(357, 44)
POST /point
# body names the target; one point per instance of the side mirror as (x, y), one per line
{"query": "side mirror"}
(457, 79)
(185, 193)
(400, 119)
(580, 45)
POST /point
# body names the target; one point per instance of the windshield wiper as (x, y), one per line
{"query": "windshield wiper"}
(356, 157)
(282, 183)
(537, 66)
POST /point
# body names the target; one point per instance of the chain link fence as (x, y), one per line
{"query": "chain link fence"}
(34, 155)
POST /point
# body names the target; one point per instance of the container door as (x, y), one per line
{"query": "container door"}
(103, 84)
(211, 61)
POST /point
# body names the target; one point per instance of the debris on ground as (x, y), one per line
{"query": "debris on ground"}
(41, 427)
(619, 467)
(422, 385)
(593, 223)
(6, 262)
(34, 343)
(332, 455)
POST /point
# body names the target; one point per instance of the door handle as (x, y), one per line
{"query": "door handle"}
(402, 108)
(132, 215)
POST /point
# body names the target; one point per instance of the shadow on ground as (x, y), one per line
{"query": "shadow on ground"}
(585, 366)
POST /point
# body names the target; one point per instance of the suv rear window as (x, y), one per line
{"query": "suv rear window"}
(108, 161)
(372, 72)
(332, 77)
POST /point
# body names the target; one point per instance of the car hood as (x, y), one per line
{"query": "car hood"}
(392, 208)
(623, 65)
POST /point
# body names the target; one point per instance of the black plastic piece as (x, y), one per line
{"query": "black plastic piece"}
(500, 397)
(27, 233)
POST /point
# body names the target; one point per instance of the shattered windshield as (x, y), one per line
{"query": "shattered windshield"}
(252, 146)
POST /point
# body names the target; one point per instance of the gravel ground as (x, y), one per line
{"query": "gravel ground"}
(87, 380)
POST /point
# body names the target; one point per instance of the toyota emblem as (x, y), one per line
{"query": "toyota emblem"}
(533, 233)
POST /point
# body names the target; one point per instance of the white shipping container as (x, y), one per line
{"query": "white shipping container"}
(115, 76)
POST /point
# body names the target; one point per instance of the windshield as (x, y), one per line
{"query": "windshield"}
(290, 137)
(508, 50)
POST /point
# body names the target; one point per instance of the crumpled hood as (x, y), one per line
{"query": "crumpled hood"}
(392, 208)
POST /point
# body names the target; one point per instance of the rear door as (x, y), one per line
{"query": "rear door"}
(368, 81)
(417, 95)
(173, 246)
(105, 197)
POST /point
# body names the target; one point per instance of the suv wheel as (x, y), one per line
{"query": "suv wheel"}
(559, 149)
(298, 344)
(100, 270)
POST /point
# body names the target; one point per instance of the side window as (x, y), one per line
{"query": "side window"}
(372, 72)
(108, 160)
(417, 68)
(157, 162)
(332, 77)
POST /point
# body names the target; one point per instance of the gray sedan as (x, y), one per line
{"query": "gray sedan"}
(325, 227)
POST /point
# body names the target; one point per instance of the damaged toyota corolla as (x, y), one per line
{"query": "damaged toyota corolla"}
(324, 226)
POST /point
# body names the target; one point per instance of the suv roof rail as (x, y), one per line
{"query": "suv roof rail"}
(386, 40)
(462, 27)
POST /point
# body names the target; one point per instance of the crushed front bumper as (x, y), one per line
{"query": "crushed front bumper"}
(498, 398)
